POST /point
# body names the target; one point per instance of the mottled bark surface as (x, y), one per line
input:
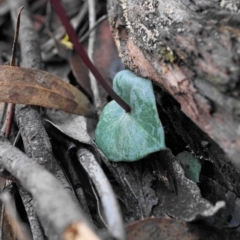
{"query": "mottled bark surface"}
(191, 49)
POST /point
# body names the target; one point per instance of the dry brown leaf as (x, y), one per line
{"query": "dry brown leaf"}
(35, 87)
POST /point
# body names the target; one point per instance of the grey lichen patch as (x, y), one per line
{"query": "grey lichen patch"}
(144, 28)
(231, 5)
(125, 14)
(167, 54)
(217, 80)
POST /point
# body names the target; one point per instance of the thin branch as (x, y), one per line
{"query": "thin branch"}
(92, 36)
(84, 37)
(81, 52)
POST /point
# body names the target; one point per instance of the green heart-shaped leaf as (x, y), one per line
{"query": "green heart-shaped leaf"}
(130, 136)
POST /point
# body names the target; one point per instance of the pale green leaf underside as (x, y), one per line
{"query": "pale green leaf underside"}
(130, 136)
(191, 166)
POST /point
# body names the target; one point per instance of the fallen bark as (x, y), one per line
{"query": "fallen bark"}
(190, 49)
(54, 206)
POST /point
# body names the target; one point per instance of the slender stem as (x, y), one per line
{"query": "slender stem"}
(11, 106)
(91, 40)
(81, 52)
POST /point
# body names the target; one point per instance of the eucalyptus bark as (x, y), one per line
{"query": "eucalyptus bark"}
(191, 49)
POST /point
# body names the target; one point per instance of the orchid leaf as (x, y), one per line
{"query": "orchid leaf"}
(191, 166)
(130, 136)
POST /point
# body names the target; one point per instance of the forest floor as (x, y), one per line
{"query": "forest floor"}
(55, 181)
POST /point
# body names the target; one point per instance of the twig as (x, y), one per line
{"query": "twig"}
(91, 40)
(10, 111)
(54, 206)
(104, 189)
(20, 228)
(81, 52)
(84, 37)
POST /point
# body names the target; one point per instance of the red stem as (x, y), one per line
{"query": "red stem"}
(83, 55)
(10, 114)
(11, 106)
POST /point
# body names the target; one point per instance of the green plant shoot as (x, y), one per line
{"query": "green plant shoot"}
(130, 136)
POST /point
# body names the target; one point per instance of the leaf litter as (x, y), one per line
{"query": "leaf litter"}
(148, 191)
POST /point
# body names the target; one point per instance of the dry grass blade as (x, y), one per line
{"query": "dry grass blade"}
(14, 49)
(35, 87)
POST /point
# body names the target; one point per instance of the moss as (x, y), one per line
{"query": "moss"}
(216, 80)
(167, 54)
